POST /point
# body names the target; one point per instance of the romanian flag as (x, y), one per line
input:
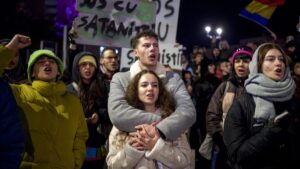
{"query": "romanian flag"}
(260, 11)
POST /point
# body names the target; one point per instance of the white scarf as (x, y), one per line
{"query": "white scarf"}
(136, 68)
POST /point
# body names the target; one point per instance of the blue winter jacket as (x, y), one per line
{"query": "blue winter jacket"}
(11, 132)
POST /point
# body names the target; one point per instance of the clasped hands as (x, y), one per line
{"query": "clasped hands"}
(145, 137)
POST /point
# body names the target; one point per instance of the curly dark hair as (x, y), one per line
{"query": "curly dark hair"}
(165, 100)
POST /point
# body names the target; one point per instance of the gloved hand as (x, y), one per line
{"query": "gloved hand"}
(280, 122)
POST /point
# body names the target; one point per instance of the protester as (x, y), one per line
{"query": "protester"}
(12, 138)
(125, 117)
(92, 93)
(146, 91)
(222, 100)
(109, 64)
(257, 129)
(223, 69)
(53, 118)
(203, 89)
(197, 65)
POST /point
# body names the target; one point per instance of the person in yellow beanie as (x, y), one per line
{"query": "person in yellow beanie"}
(92, 93)
(53, 118)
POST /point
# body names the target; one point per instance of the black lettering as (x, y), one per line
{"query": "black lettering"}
(170, 8)
(88, 3)
(122, 29)
(92, 25)
(131, 28)
(131, 59)
(104, 21)
(179, 57)
(163, 56)
(158, 6)
(111, 29)
(130, 10)
(168, 58)
(137, 29)
(102, 5)
(153, 27)
(162, 38)
(84, 21)
(145, 27)
(174, 58)
(117, 5)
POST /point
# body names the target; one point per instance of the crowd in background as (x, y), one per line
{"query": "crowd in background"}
(213, 77)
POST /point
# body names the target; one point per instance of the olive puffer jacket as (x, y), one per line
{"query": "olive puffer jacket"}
(54, 122)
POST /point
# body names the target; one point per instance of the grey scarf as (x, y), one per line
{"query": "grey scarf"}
(265, 91)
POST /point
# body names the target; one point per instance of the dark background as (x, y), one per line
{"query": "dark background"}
(195, 14)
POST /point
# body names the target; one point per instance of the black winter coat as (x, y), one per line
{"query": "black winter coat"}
(252, 145)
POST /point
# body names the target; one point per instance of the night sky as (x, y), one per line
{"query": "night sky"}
(195, 14)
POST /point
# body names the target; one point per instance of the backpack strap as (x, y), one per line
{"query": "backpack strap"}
(75, 86)
(227, 102)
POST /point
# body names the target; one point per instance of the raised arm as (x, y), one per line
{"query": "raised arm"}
(7, 52)
(19, 42)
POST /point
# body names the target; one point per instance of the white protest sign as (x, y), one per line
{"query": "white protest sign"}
(113, 22)
(168, 55)
(167, 12)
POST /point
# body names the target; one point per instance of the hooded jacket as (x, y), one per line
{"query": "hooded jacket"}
(251, 142)
(100, 107)
(54, 123)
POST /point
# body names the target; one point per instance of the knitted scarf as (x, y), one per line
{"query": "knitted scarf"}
(265, 91)
(135, 69)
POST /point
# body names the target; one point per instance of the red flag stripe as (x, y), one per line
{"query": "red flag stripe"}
(272, 2)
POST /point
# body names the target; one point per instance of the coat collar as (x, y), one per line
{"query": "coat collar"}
(49, 89)
(159, 70)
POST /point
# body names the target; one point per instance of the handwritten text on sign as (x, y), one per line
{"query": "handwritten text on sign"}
(114, 22)
(168, 55)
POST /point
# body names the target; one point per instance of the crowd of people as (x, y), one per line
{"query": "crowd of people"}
(243, 103)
